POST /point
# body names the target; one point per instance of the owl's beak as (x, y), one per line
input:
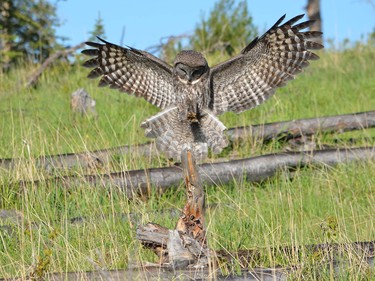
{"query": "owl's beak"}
(189, 76)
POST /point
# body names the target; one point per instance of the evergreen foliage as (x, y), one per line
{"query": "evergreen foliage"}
(27, 31)
(99, 30)
(228, 28)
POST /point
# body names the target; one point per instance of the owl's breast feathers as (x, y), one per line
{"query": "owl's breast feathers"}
(193, 100)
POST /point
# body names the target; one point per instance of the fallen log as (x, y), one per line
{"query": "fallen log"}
(341, 256)
(285, 130)
(305, 127)
(255, 169)
(85, 160)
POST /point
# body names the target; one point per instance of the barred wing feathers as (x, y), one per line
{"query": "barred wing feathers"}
(131, 71)
(268, 62)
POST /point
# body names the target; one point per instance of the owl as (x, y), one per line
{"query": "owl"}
(191, 94)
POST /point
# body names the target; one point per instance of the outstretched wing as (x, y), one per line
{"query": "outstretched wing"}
(267, 63)
(131, 71)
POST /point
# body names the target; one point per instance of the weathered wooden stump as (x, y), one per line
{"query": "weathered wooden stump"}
(186, 245)
(82, 103)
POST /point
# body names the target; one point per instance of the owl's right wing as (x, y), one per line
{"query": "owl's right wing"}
(131, 71)
(267, 63)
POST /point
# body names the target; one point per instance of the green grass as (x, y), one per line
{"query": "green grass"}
(316, 205)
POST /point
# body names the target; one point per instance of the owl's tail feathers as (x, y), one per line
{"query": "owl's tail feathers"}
(173, 135)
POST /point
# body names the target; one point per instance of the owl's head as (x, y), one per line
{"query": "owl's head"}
(190, 67)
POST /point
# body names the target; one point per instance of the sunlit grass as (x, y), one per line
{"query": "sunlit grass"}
(64, 228)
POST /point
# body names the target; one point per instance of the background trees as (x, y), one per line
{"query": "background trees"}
(27, 31)
(228, 28)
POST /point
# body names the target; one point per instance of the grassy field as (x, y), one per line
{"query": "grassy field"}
(60, 229)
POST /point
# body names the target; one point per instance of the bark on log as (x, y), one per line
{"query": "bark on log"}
(285, 129)
(33, 80)
(256, 169)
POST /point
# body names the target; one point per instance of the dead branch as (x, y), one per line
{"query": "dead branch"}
(164, 41)
(282, 130)
(33, 80)
(255, 169)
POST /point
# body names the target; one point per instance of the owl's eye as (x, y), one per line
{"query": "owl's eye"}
(197, 73)
(181, 71)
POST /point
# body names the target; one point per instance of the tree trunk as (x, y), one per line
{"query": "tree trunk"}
(313, 12)
(5, 35)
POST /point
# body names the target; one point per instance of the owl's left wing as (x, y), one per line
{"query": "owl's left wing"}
(267, 63)
(132, 71)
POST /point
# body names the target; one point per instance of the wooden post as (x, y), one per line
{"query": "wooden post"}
(186, 245)
(191, 221)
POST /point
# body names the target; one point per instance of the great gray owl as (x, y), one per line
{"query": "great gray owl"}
(191, 94)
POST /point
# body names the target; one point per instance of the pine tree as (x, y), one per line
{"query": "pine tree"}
(98, 29)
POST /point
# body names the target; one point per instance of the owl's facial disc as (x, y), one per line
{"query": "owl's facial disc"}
(187, 74)
(190, 66)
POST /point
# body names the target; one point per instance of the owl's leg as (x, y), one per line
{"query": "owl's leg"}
(189, 111)
(187, 115)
